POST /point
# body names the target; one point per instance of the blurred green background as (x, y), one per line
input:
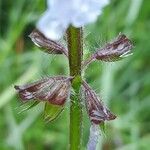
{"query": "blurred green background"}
(124, 86)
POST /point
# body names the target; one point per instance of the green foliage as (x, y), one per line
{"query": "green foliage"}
(124, 85)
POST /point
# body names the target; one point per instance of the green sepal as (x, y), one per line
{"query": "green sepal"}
(102, 127)
(51, 111)
(28, 107)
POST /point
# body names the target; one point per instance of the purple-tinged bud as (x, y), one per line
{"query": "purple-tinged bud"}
(93, 137)
(115, 50)
(54, 90)
(49, 46)
(97, 112)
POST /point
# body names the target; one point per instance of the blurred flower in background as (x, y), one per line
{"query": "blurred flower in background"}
(62, 13)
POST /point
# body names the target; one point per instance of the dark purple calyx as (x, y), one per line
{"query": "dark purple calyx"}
(96, 110)
(115, 50)
(54, 90)
(49, 46)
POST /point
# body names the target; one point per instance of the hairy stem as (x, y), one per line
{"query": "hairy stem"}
(74, 38)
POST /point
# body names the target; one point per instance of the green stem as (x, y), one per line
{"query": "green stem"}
(74, 38)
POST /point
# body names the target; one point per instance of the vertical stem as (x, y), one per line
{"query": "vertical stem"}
(75, 46)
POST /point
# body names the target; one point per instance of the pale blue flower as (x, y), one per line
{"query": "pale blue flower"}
(62, 13)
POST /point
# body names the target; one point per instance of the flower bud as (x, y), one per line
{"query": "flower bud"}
(54, 90)
(93, 137)
(98, 113)
(116, 50)
(49, 46)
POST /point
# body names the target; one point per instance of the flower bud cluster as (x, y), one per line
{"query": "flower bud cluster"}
(55, 91)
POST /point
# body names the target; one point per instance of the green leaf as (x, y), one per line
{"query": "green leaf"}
(51, 111)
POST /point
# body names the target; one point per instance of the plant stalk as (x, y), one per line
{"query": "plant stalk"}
(75, 49)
